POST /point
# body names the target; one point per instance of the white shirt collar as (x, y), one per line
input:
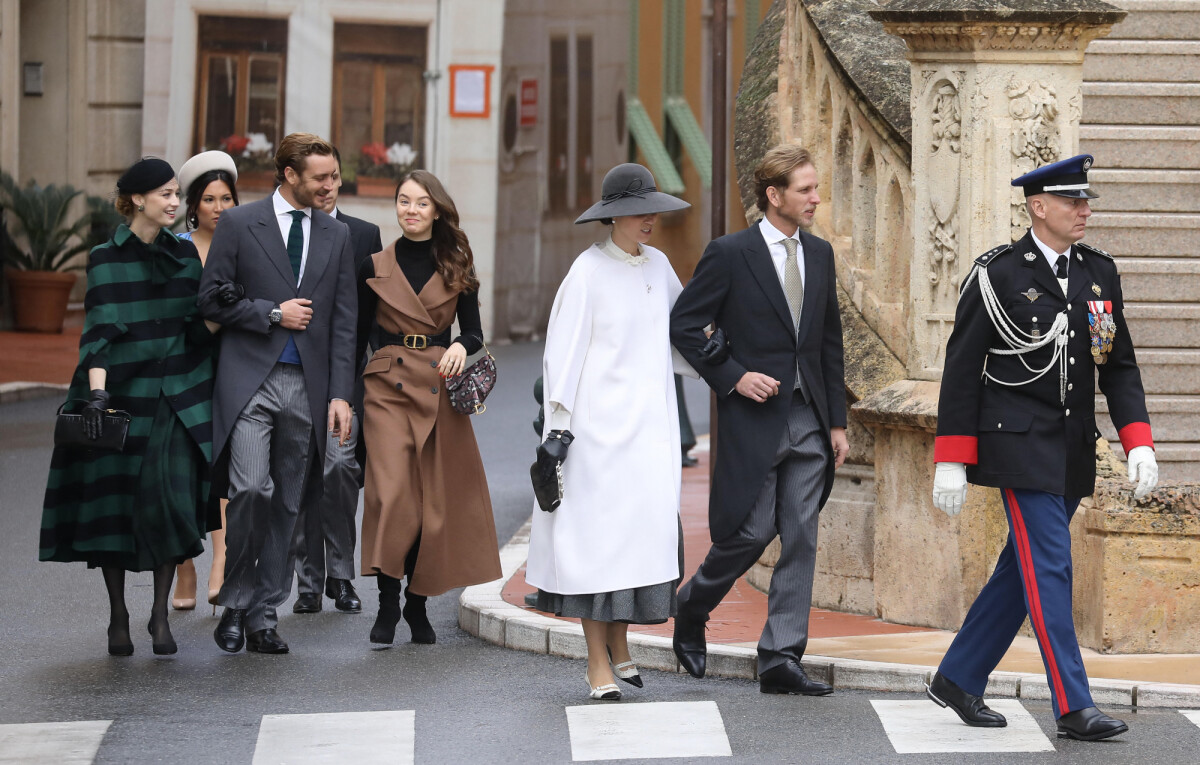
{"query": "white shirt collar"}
(610, 248)
(1050, 255)
(283, 207)
(333, 212)
(773, 235)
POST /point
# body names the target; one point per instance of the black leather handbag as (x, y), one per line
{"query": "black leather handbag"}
(69, 431)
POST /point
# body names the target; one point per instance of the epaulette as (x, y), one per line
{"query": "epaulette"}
(1093, 250)
(992, 254)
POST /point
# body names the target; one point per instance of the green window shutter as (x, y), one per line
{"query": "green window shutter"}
(642, 129)
(691, 135)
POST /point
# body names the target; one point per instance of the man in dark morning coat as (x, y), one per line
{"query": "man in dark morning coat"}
(285, 374)
(325, 533)
(1023, 420)
(781, 405)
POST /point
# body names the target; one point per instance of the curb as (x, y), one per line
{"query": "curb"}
(13, 392)
(485, 614)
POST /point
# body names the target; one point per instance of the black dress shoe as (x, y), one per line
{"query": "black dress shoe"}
(307, 603)
(230, 633)
(345, 599)
(1089, 724)
(790, 677)
(266, 641)
(689, 645)
(969, 707)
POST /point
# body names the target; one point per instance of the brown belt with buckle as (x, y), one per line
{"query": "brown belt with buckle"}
(415, 342)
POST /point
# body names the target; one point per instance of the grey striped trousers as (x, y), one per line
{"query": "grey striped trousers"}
(787, 505)
(269, 455)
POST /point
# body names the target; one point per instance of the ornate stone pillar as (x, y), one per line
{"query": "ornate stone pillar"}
(996, 92)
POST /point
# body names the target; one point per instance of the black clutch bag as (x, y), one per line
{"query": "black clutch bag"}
(69, 431)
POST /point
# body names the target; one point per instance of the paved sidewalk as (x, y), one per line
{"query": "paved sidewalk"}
(849, 650)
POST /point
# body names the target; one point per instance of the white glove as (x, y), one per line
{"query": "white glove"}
(1144, 469)
(950, 487)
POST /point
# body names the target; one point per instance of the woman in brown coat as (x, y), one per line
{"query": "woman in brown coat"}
(427, 513)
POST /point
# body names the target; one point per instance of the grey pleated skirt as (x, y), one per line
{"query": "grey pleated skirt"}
(651, 604)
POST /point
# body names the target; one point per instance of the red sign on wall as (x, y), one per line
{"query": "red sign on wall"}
(529, 102)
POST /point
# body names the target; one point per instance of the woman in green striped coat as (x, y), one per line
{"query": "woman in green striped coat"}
(146, 350)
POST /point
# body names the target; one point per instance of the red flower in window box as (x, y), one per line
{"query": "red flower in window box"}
(234, 145)
(376, 153)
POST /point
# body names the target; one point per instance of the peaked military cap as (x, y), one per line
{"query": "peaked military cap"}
(1066, 178)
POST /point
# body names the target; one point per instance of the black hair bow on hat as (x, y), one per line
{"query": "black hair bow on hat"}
(634, 189)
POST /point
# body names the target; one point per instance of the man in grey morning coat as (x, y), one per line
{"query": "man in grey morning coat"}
(285, 374)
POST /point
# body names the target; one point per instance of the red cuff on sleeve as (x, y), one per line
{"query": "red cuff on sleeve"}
(1135, 434)
(964, 449)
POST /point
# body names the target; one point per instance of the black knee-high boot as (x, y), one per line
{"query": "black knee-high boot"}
(384, 630)
(418, 620)
(119, 642)
(160, 630)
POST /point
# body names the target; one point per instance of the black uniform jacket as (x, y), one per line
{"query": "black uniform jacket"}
(1025, 436)
(736, 285)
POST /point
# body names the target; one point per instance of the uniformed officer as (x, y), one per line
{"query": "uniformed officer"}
(1036, 322)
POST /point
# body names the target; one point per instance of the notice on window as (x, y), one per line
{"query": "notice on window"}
(470, 91)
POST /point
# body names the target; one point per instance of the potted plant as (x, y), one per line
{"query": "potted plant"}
(254, 156)
(38, 258)
(380, 167)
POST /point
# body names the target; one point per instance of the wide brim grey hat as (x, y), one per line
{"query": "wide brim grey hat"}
(629, 189)
(203, 163)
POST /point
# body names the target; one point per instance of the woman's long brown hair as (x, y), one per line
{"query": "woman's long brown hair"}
(451, 251)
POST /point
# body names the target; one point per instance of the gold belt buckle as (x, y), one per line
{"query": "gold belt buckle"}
(422, 339)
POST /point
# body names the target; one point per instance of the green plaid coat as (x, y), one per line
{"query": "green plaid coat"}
(142, 325)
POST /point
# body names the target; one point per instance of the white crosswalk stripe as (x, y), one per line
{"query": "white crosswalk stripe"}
(921, 727)
(621, 731)
(55, 743)
(333, 739)
(1191, 714)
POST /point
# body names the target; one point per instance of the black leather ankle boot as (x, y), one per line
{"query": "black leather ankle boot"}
(384, 630)
(418, 620)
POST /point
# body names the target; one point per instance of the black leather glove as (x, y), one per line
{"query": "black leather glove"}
(93, 414)
(229, 293)
(716, 350)
(553, 451)
(547, 486)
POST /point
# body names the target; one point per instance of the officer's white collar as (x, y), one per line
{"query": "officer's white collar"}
(1048, 252)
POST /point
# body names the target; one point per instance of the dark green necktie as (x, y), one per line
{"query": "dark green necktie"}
(295, 243)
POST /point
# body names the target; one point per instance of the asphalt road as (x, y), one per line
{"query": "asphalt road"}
(473, 702)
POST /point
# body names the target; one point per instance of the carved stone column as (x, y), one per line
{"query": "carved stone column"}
(996, 92)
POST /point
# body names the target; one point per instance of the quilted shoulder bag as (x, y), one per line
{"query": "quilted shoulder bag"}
(469, 389)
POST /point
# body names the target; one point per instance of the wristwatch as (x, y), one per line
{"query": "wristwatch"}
(275, 316)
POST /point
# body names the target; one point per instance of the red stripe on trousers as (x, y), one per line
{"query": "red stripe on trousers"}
(1025, 557)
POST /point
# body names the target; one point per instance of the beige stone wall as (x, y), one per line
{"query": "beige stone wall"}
(863, 174)
(1137, 583)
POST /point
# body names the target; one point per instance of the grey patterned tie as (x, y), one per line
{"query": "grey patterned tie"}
(793, 283)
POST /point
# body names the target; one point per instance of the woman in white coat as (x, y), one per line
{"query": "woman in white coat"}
(612, 552)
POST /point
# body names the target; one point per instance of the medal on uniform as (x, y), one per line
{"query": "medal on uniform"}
(1101, 327)
(1031, 294)
(1096, 289)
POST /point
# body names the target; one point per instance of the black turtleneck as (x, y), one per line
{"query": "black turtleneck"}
(416, 262)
